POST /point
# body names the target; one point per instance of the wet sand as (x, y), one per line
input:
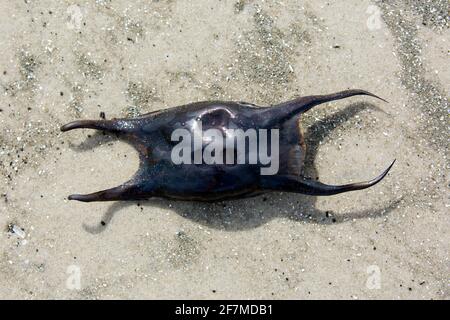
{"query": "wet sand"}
(74, 59)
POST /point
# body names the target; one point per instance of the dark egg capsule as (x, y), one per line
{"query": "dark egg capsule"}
(211, 170)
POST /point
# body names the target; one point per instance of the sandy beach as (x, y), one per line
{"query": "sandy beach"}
(68, 60)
